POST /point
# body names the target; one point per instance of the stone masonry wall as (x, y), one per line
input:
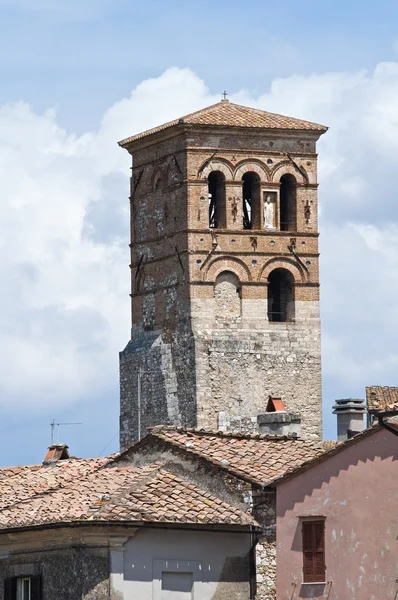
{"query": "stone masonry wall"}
(239, 369)
(167, 382)
(66, 574)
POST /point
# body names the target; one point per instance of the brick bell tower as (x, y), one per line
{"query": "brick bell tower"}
(224, 271)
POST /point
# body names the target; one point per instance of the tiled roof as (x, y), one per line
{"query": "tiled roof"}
(80, 490)
(382, 397)
(226, 113)
(22, 483)
(256, 458)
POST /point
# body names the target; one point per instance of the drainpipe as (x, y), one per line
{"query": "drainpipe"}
(386, 414)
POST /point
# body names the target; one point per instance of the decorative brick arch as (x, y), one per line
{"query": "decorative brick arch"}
(287, 166)
(288, 264)
(217, 164)
(222, 263)
(252, 165)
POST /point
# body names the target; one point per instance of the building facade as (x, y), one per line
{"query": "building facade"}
(337, 522)
(224, 271)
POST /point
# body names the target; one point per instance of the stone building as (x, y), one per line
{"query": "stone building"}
(95, 529)
(224, 272)
(233, 467)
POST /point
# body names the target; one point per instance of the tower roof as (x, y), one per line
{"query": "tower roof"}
(228, 114)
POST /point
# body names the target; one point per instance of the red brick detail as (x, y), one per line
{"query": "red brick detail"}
(234, 265)
(252, 165)
(218, 164)
(288, 167)
(283, 263)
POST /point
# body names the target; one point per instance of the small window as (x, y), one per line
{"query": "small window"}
(314, 570)
(22, 588)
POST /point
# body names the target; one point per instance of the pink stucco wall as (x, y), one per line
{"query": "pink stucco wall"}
(357, 491)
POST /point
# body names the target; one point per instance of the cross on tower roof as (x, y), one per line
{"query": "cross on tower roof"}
(225, 94)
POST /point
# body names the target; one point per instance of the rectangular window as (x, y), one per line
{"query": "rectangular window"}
(314, 569)
(22, 588)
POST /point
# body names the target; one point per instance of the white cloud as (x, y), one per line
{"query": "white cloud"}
(63, 230)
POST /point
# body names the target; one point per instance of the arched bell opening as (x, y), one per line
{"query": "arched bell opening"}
(288, 210)
(280, 296)
(251, 192)
(217, 207)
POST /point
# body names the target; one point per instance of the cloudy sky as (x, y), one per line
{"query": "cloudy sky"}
(76, 76)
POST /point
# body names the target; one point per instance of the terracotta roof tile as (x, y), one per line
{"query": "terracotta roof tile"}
(97, 490)
(226, 113)
(256, 458)
(382, 398)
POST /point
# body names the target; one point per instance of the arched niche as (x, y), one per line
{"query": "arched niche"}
(157, 180)
(227, 299)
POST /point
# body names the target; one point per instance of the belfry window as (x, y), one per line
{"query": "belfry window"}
(251, 201)
(288, 203)
(280, 296)
(216, 183)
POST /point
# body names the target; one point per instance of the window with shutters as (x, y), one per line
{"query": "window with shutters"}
(314, 570)
(22, 588)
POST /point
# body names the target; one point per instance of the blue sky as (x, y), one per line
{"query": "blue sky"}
(76, 77)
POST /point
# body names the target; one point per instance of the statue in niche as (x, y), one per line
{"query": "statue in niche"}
(269, 210)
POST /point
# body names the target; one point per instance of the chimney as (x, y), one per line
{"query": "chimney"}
(277, 421)
(349, 413)
(55, 453)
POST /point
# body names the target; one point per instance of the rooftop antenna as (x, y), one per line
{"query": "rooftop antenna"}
(53, 425)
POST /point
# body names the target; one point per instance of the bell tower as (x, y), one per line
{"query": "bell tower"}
(224, 271)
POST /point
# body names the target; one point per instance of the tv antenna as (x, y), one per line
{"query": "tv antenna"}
(53, 426)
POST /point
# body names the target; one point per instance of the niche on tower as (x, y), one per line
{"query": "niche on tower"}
(227, 300)
(288, 210)
(251, 196)
(280, 296)
(217, 204)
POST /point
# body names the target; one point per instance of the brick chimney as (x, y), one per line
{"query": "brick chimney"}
(55, 453)
(349, 413)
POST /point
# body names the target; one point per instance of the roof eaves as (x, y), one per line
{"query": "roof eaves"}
(222, 527)
(325, 455)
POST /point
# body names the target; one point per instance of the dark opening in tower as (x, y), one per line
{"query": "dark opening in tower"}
(217, 208)
(280, 295)
(251, 201)
(288, 203)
